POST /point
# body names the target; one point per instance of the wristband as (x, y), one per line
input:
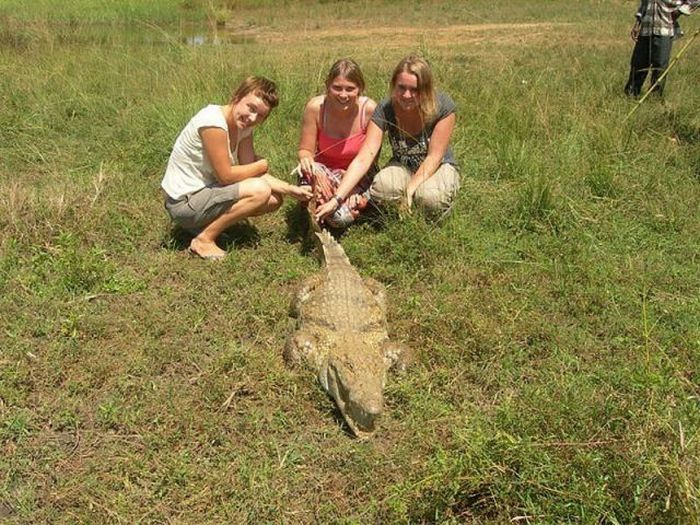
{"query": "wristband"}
(338, 199)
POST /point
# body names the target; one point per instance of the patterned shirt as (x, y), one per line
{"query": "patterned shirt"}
(411, 151)
(656, 16)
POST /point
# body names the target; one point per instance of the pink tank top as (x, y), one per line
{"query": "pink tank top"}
(335, 153)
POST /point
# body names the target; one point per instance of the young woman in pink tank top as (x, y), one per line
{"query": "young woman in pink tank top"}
(333, 130)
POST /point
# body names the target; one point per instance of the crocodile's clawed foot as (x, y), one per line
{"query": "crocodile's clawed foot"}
(298, 346)
(398, 356)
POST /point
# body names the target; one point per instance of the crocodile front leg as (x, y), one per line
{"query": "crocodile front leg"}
(397, 356)
(378, 291)
(303, 295)
(299, 346)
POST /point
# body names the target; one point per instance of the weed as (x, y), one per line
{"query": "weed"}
(513, 158)
(601, 182)
(535, 202)
(15, 428)
(108, 414)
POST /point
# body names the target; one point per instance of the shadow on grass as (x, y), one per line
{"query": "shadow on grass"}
(378, 217)
(475, 502)
(299, 228)
(240, 235)
(686, 132)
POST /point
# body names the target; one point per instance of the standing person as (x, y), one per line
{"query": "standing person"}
(214, 178)
(419, 122)
(653, 33)
(334, 127)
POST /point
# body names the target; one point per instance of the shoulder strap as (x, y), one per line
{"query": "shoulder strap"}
(322, 119)
(363, 124)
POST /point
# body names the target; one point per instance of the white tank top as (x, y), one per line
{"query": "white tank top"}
(189, 168)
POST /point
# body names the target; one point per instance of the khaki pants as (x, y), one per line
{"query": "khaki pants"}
(435, 195)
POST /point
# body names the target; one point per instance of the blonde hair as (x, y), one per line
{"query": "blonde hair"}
(346, 68)
(261, 87)
(417, 66)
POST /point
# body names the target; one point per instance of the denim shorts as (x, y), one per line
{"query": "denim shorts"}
(196, 210)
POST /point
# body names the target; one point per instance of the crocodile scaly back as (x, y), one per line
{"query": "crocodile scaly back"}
(333, 252)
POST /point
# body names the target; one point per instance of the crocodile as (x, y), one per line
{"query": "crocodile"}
(341, 333)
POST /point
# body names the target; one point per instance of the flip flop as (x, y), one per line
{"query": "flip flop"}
(206, 257)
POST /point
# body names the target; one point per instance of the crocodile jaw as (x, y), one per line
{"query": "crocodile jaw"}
(359, 395)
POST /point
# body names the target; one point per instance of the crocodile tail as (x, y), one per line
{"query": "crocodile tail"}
(333, 252)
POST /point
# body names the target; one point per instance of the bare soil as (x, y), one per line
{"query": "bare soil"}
(397, 37)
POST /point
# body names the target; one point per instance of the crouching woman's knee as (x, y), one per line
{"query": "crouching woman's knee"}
(390, 184)
(436, 195)
(257, 190)
(274, 202)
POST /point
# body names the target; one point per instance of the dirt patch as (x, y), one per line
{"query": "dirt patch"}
(393, 37)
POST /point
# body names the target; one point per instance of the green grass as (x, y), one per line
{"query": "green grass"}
(555, 313)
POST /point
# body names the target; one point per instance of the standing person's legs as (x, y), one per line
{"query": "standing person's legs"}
(660, 55)
(639, 66)
(437, 193)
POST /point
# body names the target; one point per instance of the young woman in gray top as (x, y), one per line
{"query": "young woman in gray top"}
(419, 122)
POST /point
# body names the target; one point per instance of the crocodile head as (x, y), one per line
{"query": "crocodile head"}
(355, 380)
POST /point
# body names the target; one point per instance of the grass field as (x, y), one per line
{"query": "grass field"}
(556, 313)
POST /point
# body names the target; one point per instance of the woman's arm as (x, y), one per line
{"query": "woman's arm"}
(246, 151)
(215, 144)
(309, 131)
(300, 193)
(439, 142)
(247, 157)
(357, 169)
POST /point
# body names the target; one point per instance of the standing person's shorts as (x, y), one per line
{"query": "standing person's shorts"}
(196, 210)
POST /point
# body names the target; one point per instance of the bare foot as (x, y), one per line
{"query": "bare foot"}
(206, 249)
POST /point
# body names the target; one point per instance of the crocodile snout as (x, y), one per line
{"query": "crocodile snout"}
(364, 413)
(359, 396)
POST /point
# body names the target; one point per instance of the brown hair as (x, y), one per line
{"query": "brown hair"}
(347, 68)
(261, 87)
(418, 67)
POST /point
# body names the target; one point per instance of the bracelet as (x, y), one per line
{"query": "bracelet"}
(338, 199)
